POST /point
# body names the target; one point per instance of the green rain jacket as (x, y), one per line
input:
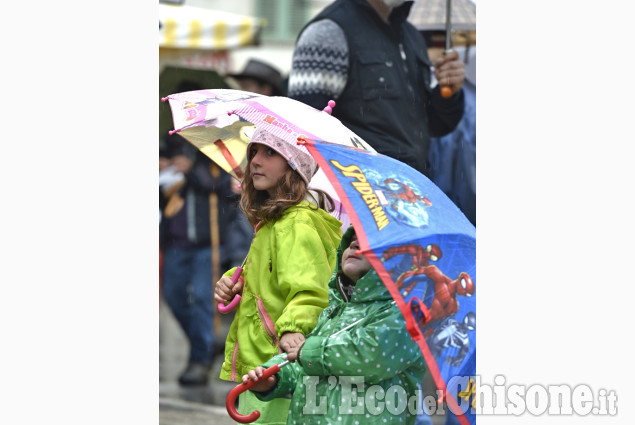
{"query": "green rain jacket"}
(327, 386)
(288, 266)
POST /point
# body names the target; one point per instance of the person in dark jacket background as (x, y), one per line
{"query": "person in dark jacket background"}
(186, 247)
(366, 56)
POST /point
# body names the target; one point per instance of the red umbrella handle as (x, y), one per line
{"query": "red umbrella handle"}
(230, 403)
(236, 300)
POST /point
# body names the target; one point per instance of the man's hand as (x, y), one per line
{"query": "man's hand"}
(450, 71)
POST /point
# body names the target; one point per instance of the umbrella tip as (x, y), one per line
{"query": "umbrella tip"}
(329, 108)
(171, 132)
(163, 99)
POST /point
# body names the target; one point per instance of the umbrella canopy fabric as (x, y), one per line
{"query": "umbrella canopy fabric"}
(197, 28)
(424, 249)
(173, 77)
(220, 123)
(430, 15)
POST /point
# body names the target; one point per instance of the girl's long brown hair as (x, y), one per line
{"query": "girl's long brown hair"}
(291, 190)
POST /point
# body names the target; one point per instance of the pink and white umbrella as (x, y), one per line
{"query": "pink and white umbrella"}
(220, 123)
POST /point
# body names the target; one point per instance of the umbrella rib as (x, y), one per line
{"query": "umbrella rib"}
(229, 158)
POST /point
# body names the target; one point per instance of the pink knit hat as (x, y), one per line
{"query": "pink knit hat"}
(299, 161)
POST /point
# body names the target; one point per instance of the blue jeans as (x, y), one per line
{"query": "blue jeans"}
(187, 289)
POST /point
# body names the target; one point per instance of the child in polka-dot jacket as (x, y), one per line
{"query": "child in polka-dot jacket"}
(325, 382)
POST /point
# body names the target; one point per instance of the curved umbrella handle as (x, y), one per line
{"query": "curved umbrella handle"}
(236, 300)
(230, 403)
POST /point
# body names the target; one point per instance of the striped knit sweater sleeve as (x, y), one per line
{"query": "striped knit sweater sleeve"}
(320, 64)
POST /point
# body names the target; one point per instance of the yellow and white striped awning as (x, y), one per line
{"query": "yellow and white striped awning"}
(197, 28)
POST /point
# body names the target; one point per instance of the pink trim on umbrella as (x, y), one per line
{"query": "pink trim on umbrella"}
(329, 107)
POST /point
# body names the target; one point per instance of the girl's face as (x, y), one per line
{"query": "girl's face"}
(354, 266)
(267, 167)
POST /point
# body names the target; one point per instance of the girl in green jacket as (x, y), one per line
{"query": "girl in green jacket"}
(284, 280)
(366, 373)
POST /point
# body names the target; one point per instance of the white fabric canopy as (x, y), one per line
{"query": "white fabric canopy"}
(429, 15)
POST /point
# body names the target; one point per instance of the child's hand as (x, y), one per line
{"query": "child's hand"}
(255, 375)
(225, 289)
(289, 340)
(294, 353)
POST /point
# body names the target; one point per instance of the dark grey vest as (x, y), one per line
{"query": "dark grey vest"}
(385, 97)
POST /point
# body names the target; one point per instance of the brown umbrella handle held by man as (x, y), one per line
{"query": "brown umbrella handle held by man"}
(446, 91)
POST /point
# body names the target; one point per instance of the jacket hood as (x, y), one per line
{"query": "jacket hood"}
(368, 288)
(327, 225)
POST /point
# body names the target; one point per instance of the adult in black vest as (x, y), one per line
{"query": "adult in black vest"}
(366, 56)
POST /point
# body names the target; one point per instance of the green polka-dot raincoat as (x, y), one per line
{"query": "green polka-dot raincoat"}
(367, 374)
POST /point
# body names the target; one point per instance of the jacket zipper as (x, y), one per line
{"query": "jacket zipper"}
(234, 355)
(267, 322)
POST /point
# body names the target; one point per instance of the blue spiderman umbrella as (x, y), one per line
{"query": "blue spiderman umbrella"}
(424, 249)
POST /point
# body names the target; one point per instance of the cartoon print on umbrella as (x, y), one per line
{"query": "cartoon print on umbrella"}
(406, 204)
(451, 333)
